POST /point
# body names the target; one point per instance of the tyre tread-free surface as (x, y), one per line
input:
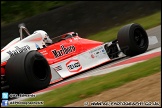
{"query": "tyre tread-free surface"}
(132, 39)
(28, 71)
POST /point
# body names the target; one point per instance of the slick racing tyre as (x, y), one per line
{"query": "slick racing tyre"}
(27, 72)
(132, 39)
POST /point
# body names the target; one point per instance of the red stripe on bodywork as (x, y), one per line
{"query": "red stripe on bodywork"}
(3, 68)
(3, 63)
(37, 39)
(2, 71)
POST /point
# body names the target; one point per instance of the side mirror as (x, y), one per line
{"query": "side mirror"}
(21, 24)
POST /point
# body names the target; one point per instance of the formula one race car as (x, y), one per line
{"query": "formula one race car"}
(34, 62)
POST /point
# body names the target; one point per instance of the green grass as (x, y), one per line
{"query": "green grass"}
(111, 34)
(96, 84)
(12, 11)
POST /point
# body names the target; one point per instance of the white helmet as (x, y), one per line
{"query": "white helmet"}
(46, 38)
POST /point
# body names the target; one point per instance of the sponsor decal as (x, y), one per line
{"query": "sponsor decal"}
(92, 56)
(73, 66)
(18, 50)
(103, 51)
(98, 52)
(58, 68)
(63, 51)
(44, 52)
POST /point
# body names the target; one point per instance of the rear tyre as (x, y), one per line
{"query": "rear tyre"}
(132, 39)
(27, 72)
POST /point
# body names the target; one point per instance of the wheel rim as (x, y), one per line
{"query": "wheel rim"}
(140, 38)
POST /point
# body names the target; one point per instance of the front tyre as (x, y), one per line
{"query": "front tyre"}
(27, 72)
(132, 39)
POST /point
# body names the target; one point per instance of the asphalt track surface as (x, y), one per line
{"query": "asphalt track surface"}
(156, 31)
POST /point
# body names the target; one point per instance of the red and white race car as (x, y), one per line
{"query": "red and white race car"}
(29, 64)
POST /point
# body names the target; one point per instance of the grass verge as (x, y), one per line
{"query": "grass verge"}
(111, 34)
(12, 11)
(96, 84)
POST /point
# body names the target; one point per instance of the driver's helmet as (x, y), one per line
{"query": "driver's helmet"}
(46, 38)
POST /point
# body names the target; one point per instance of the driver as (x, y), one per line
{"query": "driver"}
(46, 38)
